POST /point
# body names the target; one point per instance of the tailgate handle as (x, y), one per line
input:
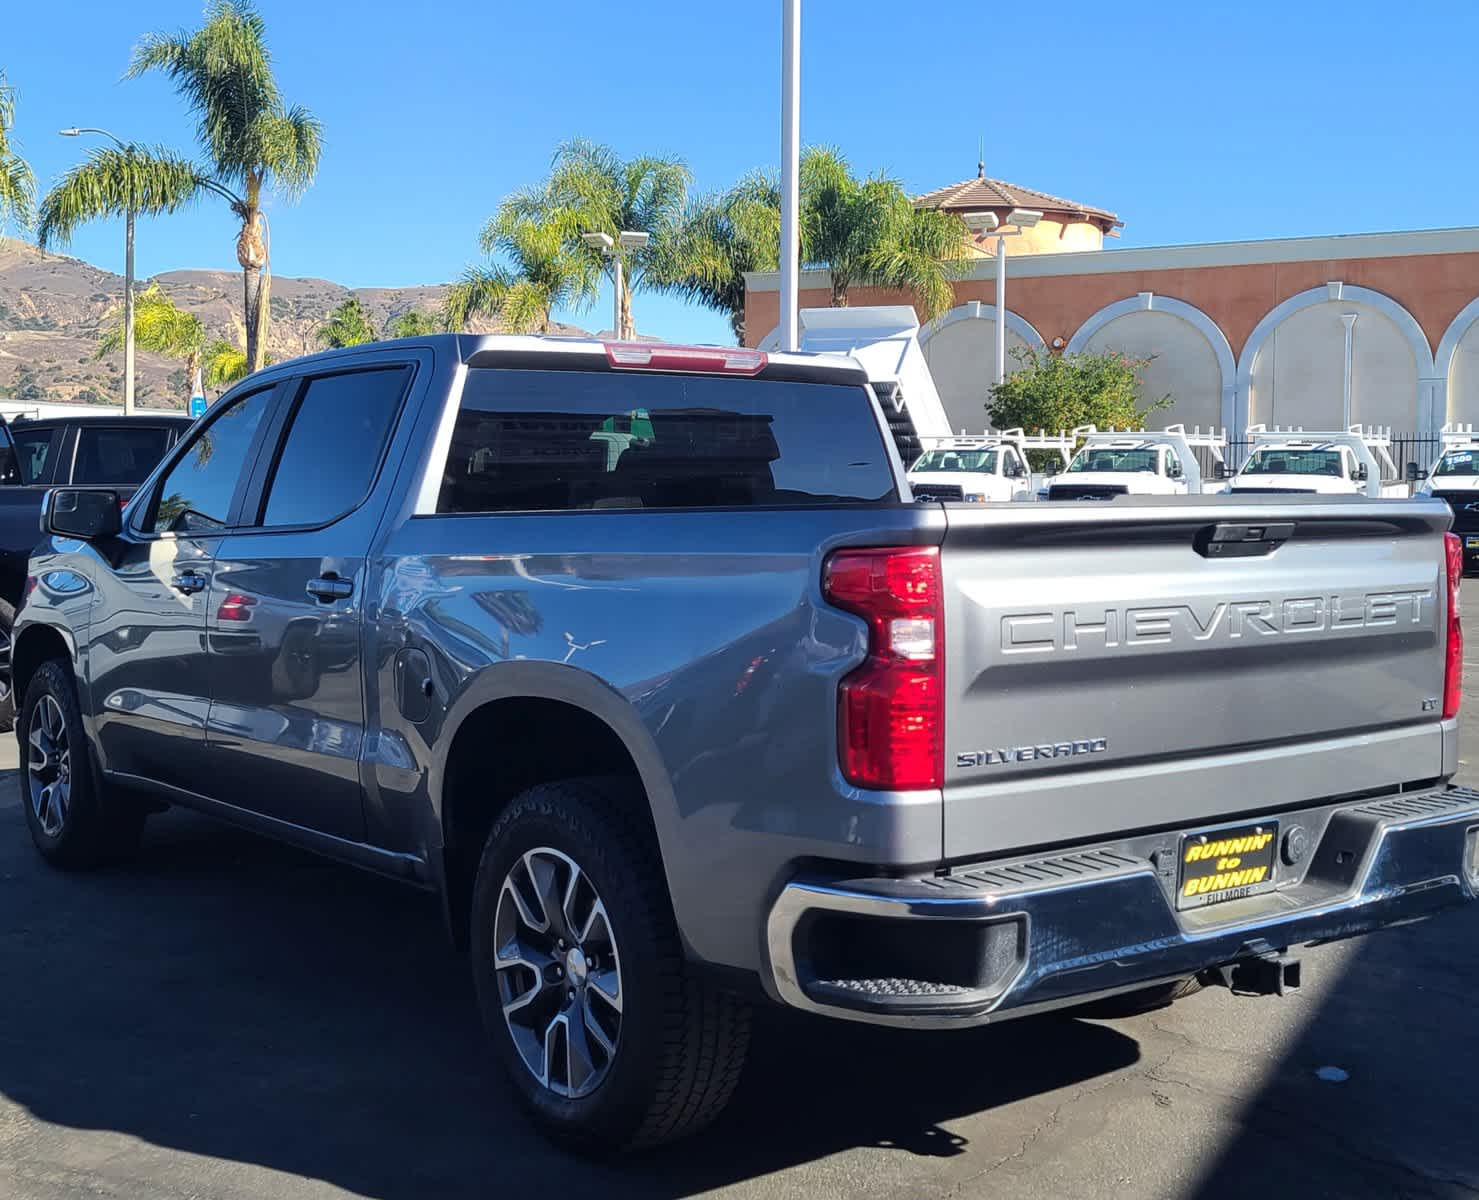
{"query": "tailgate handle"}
(1249, 540)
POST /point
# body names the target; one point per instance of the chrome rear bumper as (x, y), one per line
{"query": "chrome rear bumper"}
(1005, 939)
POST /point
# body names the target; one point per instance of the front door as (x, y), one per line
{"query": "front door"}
(148, 663)
(287, 716)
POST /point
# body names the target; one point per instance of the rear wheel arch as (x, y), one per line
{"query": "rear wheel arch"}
(526, 724)
(36, 644)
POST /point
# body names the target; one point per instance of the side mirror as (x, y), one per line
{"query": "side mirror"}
(91, 514)
(1361, 473)
(1219, 470)
(1414, 472)
(1054, 466)
(1174, 471)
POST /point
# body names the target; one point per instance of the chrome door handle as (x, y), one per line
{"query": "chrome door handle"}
(329, 588)
(189, 582)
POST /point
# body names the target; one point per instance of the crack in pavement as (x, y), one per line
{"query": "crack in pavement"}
(1052, 1119)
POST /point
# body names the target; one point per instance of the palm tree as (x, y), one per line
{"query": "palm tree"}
(867, 231)
(720, 237)
(17, 184)
(414, 322)
(160, 326)
(252, 139)
(223, 364)
(348, 325)
(541, 260)
(534, 272)
(592, 189)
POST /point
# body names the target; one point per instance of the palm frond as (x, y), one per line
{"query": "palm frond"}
(159, 326)
(223, 364)
(17, 182)
(110, 182)
(348, 325)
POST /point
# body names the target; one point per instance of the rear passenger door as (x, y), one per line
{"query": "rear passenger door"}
(287, 708)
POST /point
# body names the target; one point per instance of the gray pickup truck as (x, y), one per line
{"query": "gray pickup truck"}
(642, 659)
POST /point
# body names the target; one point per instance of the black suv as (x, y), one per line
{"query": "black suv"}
(109, 450)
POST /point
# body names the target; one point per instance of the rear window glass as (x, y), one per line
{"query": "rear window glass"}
(557, 440)
(117, 454)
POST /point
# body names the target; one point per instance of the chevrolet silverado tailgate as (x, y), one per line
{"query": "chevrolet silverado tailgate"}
(1115, 667)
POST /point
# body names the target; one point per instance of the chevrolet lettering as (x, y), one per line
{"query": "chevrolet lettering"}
(1111, 628)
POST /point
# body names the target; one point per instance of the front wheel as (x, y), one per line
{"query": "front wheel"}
(7, 687)
(73, 823)
(608, 1037)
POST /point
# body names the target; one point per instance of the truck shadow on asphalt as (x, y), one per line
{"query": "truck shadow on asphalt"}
(235, 999)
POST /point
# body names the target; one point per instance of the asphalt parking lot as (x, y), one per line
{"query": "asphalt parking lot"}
(228, 1018)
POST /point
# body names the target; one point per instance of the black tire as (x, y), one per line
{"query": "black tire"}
(92, 826)
(7, 686)
(681, 1041)
(1134, 1004)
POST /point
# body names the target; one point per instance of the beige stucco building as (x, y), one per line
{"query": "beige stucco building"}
(1270, 331)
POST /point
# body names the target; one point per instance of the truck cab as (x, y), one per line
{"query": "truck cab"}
(1349, 462)
(1161, 463)
(979, 470)
(1455, 479)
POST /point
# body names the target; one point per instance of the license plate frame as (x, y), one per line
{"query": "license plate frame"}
(1236, 852)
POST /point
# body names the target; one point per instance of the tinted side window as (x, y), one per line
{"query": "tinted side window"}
(546, 440)
(32, 452)
(195, 494)
(333, 447)
(116, 454)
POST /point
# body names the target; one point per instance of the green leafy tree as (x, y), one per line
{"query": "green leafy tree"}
(348, 325)
(252, 139)
(1060, 391)
(159, 326)
(223, 364)
(414, 322)
(17, 183)
(719, 237)
(867, 231)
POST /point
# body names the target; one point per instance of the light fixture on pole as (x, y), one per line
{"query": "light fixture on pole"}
(128, 271)
(983, 223)
(616, 249)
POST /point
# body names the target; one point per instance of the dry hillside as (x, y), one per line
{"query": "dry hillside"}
(52, 308)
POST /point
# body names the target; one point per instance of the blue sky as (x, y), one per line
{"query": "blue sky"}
(1205, 121)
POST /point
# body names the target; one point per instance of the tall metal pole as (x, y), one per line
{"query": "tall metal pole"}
(616, 330)
(1349, 320)
(1001, 308)
(790, 173)
(128, 313)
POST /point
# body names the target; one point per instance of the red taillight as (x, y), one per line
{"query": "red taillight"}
(1453, 673)
(891, 709)
(699, 360)
(236, 607)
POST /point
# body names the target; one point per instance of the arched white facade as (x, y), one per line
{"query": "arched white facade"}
(1301, 357)
(960, 347)
(1457, 363)
(1191, 360)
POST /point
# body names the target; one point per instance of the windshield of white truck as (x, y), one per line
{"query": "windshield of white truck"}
(981, 462)
(542, 441)
(1458, 462)
(1295, 462)
(1114, 460)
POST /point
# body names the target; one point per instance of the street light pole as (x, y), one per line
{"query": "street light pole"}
(790, 293)
(128, 273)
(982, 223)
(616, 249)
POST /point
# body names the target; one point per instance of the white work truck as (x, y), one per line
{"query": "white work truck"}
(1350, 462)
(991, 467)
(1114, 463)
(1455, 479)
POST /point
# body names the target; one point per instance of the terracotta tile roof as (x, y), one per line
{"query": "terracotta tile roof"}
(981, 194)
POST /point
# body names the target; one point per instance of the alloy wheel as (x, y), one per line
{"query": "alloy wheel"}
(49, 766)
(559, 973)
